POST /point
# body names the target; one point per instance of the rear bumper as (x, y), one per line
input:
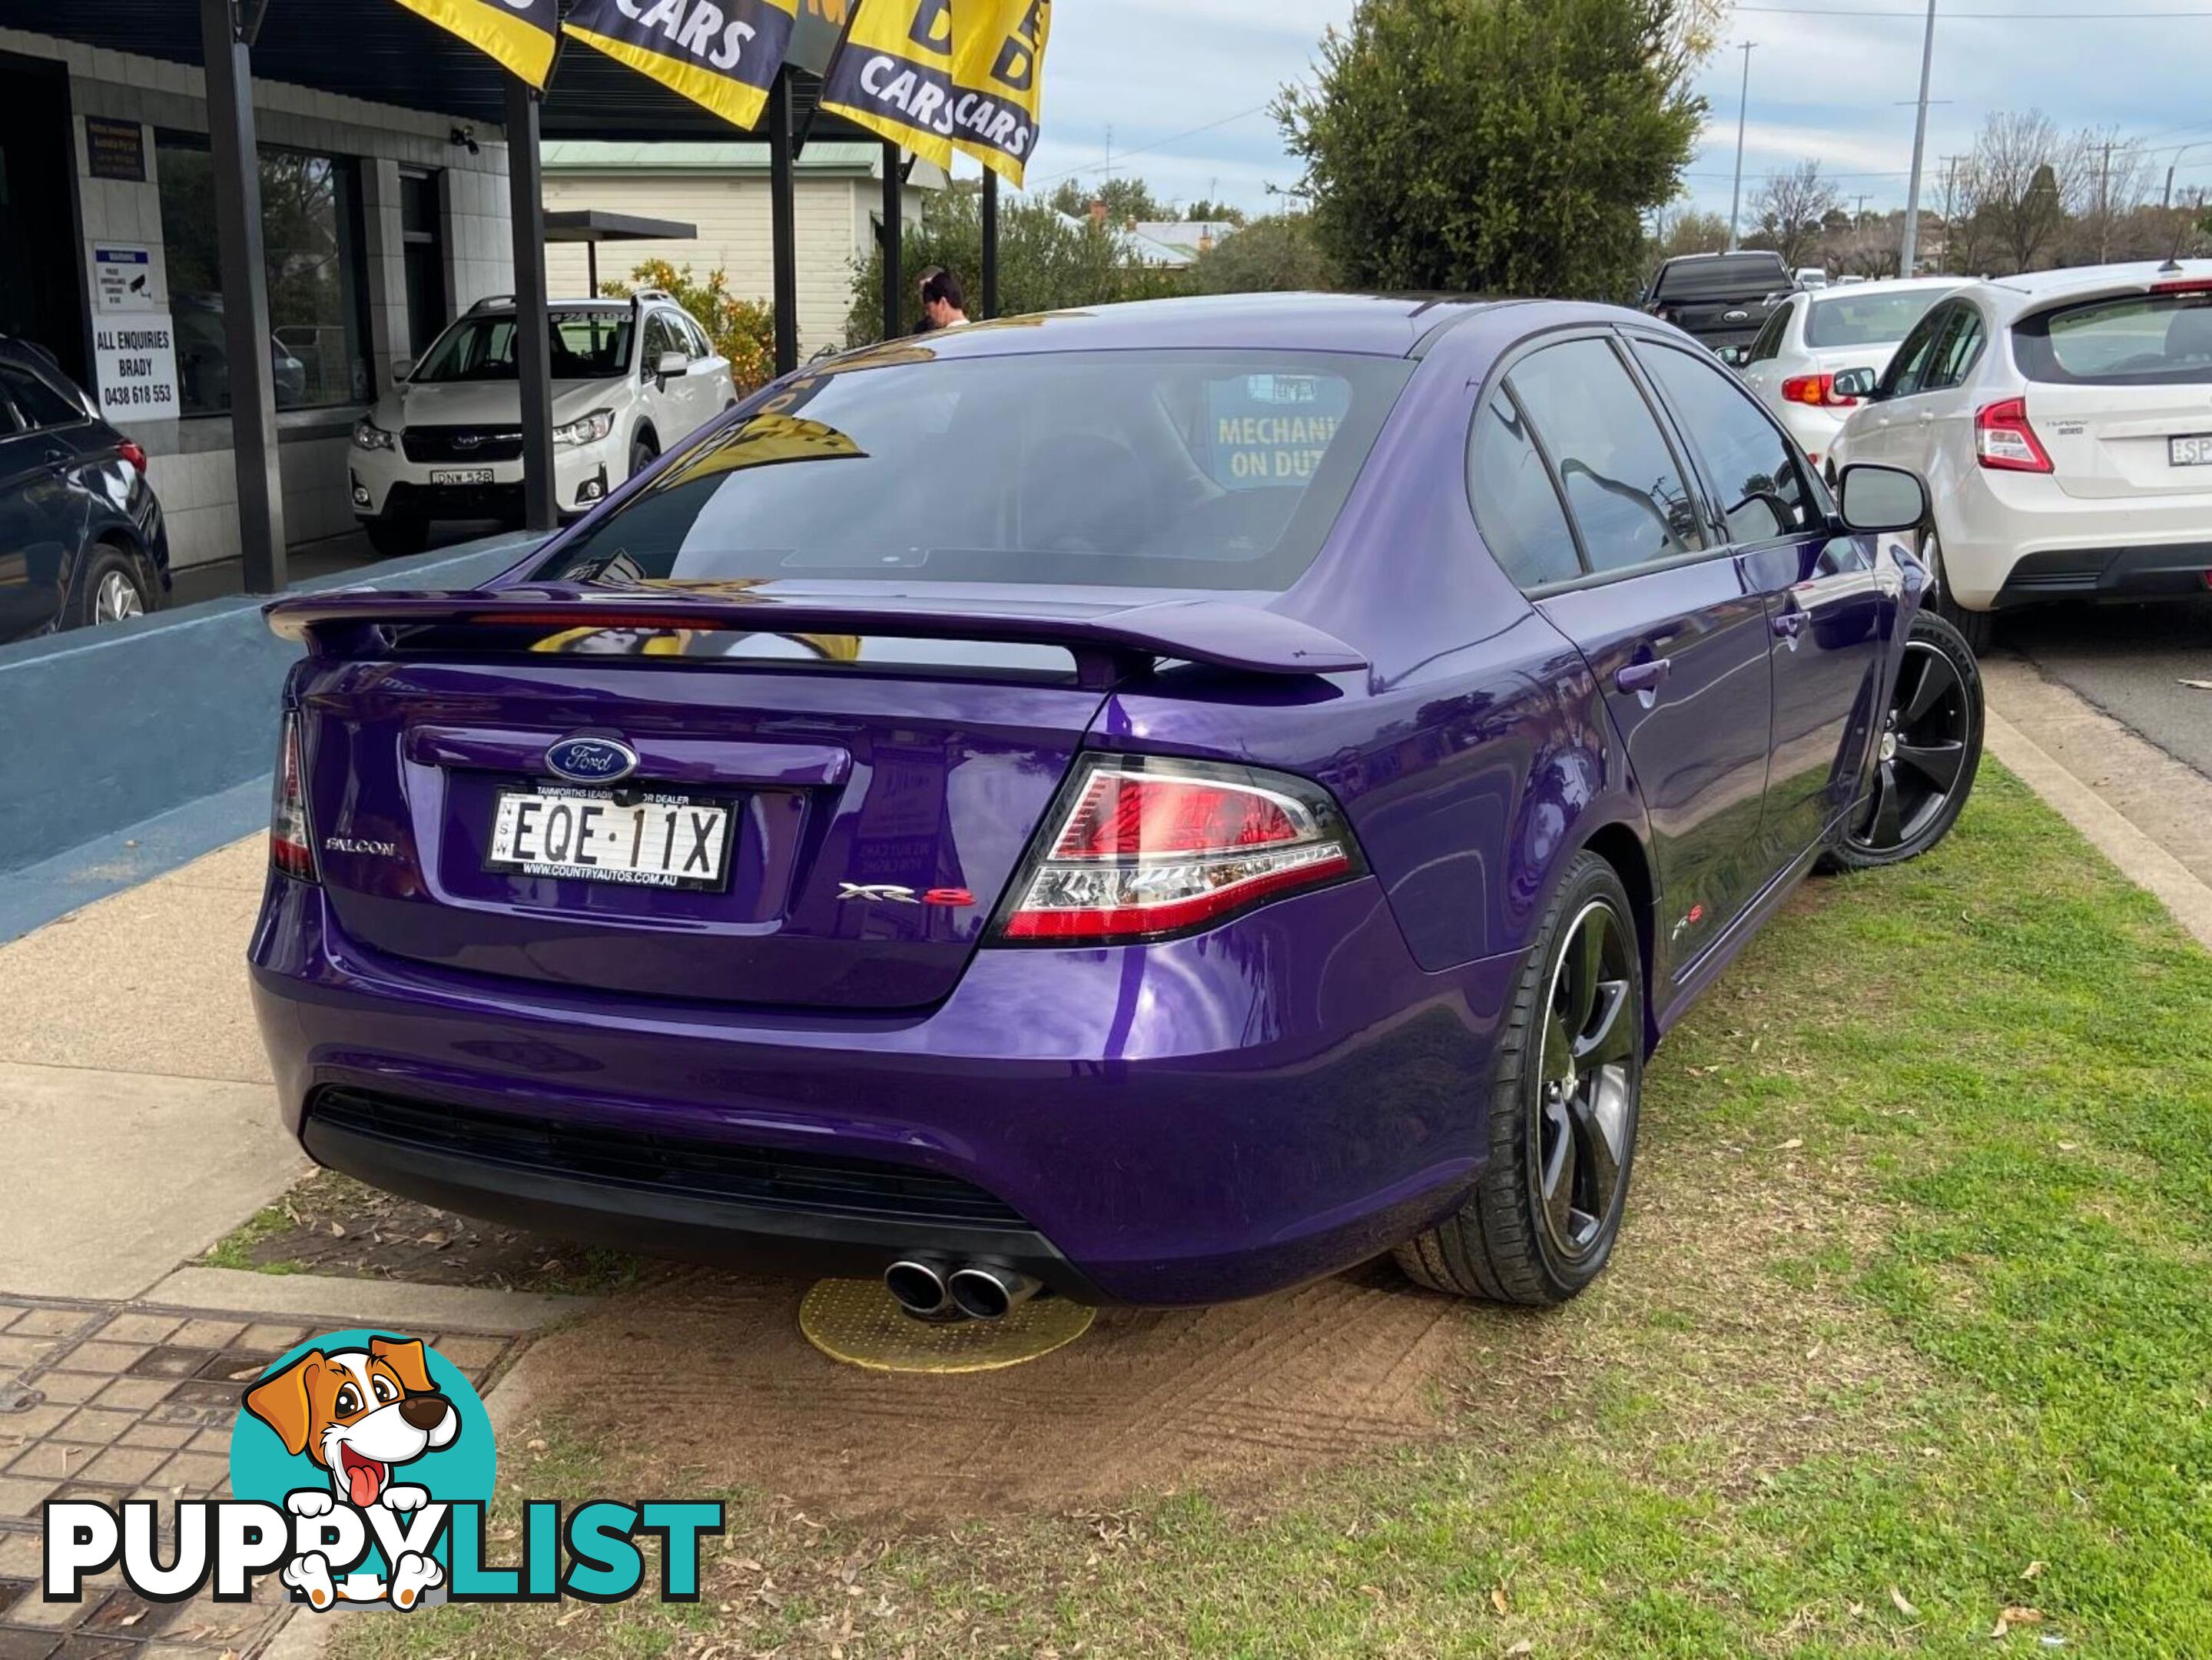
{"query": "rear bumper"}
(2174, 571)
(1190, 1122)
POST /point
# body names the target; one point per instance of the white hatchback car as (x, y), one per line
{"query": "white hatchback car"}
(2062, 423)
(630, 378)
(1792, 365)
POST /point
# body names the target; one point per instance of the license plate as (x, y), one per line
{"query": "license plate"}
(2192, 451)
(460, 475)
(655, 840)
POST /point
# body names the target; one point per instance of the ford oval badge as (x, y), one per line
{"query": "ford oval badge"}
(592, 760)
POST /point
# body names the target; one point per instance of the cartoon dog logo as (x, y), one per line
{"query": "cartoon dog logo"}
(360, 1414)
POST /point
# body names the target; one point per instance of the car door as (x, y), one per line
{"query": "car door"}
(709, 382)
(1761, 365)
(1830, 612)
(671, 400)
(1674, 634)
(43, 516)
(1888, 431)
(1944, 405)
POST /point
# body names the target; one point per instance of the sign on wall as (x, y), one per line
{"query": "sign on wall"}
(135, 364)
(125, 277)
(115, 149)
(522, 34)
(722, 57)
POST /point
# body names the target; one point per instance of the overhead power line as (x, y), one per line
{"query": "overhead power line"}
(1146, 149)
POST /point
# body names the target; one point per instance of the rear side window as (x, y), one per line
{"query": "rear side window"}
(1910, 366)
(1136, 469)
(2147, 340)
(1768, 345)
(1754, 467)
(1957, 352)
(1516, 504)
(1623, 490)
(41, 402)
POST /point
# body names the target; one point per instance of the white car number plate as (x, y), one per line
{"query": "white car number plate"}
(460, 475)
(2193, 451)
(656, 841)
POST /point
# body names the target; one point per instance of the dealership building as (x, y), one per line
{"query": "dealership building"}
(384, 211)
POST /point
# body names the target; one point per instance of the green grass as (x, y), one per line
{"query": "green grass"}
(1912, 1324)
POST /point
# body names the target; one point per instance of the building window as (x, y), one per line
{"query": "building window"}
(424, 253)
(311, 246)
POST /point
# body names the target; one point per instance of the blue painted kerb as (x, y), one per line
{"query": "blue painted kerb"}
(103, 729)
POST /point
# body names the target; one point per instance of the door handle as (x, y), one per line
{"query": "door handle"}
(1644, 677)
(1789, 624)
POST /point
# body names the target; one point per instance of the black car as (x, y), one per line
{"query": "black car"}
(82, 539)
(1724, 299)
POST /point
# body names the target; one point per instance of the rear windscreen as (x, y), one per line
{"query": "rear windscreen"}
(2145, 340)
(1727, 274)
(1868, 319)
(1131, 469)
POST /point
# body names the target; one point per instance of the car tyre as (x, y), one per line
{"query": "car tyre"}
(1541, 1222)
(1976, 627)
(643, 453)
(396, 535)
(112, 588)
(1930, 750)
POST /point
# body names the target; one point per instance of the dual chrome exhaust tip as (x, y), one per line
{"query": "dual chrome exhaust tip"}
(976, 1291)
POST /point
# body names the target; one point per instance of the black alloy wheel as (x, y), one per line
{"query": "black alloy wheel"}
(1586, 1100)
(1930, 751)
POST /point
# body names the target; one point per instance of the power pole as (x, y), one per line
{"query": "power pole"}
(1742, 109)
(1908, 251)
(2105, 207)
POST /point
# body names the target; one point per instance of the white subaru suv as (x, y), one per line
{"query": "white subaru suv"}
(630, 378)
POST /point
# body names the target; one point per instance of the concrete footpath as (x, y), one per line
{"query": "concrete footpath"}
(137, 1126)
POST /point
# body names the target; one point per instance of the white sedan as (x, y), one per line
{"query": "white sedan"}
(1792, 366)
(2062, 423)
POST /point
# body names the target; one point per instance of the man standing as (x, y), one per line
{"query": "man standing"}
(944, 306)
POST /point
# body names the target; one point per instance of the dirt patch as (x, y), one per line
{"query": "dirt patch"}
(331, 1224)
(708, 1378)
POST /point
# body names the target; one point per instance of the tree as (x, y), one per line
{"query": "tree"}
(1498, 146)
(1273, 254)
(1203, 211)
(1124, 198)
(1790, 211)
(2025, 180)
(743, 331)
(1044, 264)
(1684, 230)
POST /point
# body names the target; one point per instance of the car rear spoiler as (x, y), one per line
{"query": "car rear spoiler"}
(1106, 641)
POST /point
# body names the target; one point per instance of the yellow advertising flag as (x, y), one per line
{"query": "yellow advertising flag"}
(720, 54)
(998, 80)
(519, 34)
(893, 75)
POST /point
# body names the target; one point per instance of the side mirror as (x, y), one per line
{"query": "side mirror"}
(1855, 383)
(1735, 357)
(1874, 501)
(670, 364)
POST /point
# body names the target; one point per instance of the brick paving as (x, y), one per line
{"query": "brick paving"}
(109, 1401)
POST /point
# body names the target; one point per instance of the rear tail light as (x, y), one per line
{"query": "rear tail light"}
(1817, 390)
(133, 454)
(1141, 848)
(2183, 285)
(291, 847)
(2004, 441)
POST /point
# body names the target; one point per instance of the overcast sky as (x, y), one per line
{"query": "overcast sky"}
(1833, 86)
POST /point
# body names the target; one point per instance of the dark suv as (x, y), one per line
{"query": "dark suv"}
(82, 539)
(1722, 298)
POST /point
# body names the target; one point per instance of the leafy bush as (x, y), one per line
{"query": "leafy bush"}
(743, 331)
(1276, 254)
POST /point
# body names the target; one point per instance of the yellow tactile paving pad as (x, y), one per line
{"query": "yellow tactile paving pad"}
(858, 1322)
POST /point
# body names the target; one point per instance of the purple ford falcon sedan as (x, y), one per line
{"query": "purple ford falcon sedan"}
(1152, 804)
